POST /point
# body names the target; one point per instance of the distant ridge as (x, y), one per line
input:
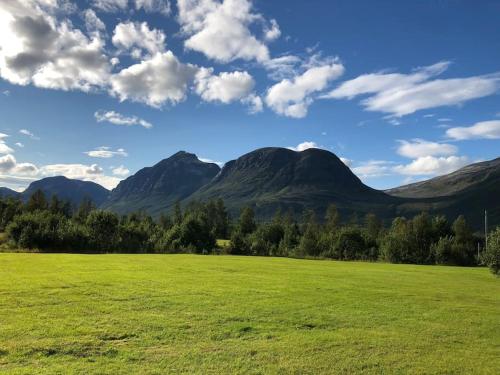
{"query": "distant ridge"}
(68, 189)
(278, 178)
(6, 192)
(155, 189)
(275, 178)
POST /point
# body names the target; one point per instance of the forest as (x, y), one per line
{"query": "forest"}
(52, 225)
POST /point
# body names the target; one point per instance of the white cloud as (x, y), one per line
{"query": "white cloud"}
(154, 82)
(254, 103)
(292, 97)
(36, 48)
(106, 152)
(480, 130)
(272, 31)
(221, 30)
(121, 171)
(80, 172)
(110, 5)
(138, 37)
(4, 149)
(225, 87)
(19, 144)
(149, 6)
(92, 22)
(119, 119)
(154, 6)
(403, 94)
(304, 146)
(207, 160)
(282, 67)
(372, 169)
(7, 162)
(347, 161)
(419, 148)
(28, 133)
(432, 166)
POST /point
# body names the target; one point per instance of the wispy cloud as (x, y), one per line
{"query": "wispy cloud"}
(119, 119)
(402, 94)
(480, 130)
(106, 152)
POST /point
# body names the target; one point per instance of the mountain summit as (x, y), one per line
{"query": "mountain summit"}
(155, 189)
(272, 178)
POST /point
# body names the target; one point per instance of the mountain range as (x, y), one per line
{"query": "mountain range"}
(274, 178)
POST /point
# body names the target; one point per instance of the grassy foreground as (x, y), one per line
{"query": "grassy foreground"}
(156, 314)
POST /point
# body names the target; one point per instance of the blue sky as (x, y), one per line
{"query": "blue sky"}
(96, 90)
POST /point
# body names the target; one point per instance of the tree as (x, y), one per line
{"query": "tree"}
(177, 213)
(309, 244)
(491, 257)
(37, 201)
(103, 230)
(332, 218)
(246, 222)
(85, 208)
(351, 245)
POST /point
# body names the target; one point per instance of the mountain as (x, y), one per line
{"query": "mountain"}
(468, 191)
(272, 178)
(155, 189)
(68, 189)
(6, 193)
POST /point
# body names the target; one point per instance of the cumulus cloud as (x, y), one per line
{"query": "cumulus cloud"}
(156, 81)
(254, 103)
(149, 6)
(106, 152)
(4, 149)
(120, 171)
(402, 94)
(119, 119)
(224, 87)
(373, 169)
(292, 97)
(221, 30)
(9, 164)
(154, 6)
(36, 48)
(138, 37)
(110, 5)
(480, 130)
(80, 172)
(304, 146)
(432, 166)
(92, 22)
(418, 148)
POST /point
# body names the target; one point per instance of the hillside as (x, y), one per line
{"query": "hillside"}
(68, 189)
(468, 191)
(6, 192)
(277, 178)
(155, 189)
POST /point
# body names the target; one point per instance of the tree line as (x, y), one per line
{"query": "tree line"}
(56, 226)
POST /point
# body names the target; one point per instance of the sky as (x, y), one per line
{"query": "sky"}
(401, 91)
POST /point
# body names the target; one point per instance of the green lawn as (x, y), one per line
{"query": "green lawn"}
(157, 314)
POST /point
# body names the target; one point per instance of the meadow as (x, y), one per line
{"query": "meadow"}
(157, 314)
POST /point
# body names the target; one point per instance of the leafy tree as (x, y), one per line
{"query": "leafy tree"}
(37, 201)
(246, 222)
(103, 231)
(491, 257)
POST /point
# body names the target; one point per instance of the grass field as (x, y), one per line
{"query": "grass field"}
(157, 314)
